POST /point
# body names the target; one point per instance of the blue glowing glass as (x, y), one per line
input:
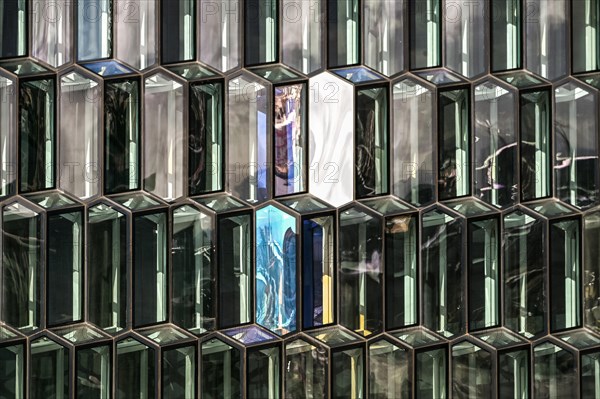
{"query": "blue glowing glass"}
(358, 74)
(275, 270)
(108, 68)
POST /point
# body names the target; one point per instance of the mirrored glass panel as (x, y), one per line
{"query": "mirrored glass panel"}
(134, 370)
(220, 25)
(13, 27)
(425, 33)
(94, 27)
(49, 369)
(179, 373)
(52, 31)
(347, 374)
(8, 136)
(220, 370)
(555, 372)
(383, 35)
(471, 371)
(306, 371)
(261, 31)
(178, 22)
(388, 371)
(343, 23)
(505, 34)
(301, 34)
(432, 366)
(136, 32)
(93, 364)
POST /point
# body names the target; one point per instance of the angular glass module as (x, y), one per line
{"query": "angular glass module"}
(12, 370)
(261, 31)
(546, 32)
(93, 363)
(535, 109)
(13, 27)
(107, 267)
(221, 26)
(108, 69)
(301, 33)
(565, 274)
(250, 335)
(454, 144)
(471, 371)
(318, 271)
(401, 242)
(179, 372)
(343, 33)
(425, 33)
(590, 372)
(576, 172)
(263, 370)
(52, 31)
(64, 267)
(248, 129)
(441, 252)
(205, 151)
(194, 282)
(21, 266)
(524, 273)
(347, 373)
(79, 133)
(37, 134)
(412, 141)
(220, 372)
(8, 136)
(178, 31)
(150, 232)
(591, 288)
(555, 372)
(306, 370)
(136, 40)
(505, 17)
(276, 259)
(49, 369)
(94, 27)
(235, 283)
(432, 366)
(585, 22)
(360, 271)
(164, 173)
(383, 36)
(513, 371)
(134, 370)
(371, 141)
(389, 370)
(465, 37)
(122, 131)
(358, 74)
(495, 148)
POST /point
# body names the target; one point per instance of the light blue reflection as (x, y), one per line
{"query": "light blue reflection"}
(275, 270)
(108, 68)
(358, 74)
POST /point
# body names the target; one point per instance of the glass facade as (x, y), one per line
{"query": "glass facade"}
(299, 199)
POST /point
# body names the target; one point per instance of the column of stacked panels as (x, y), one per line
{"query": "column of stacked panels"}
(299, 199)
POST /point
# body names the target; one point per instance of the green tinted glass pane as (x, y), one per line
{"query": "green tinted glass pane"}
(506, 34)
(514, 374)
(93, 373)
(347, 374)
(261, 31)
(306, 373)
(585, 39)
(343, 32)
(471, 371)
(221, 370)
(49, 370)
(590, 375)
(425, 28)
(263, 374)
(13, 20)
(135, 370)
(12, 371)
(431, 366)
(555, 372)
(389, 371)
(179, 373)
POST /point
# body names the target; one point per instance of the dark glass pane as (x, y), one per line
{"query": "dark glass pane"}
(343, 32)
(135, 370)
(12, 372)
(431, 374)
(179, 373)
(305, 371)
(506, 34)
(49, 370)
(178, 30)
(220, 374)
(425, 33)
(263, 370)
(585, 21)
(471, 372)
(93, 373)
(261, 31)
(389, 375)
(513, 374)
(13, 28)
(347, 374)
(555, 372)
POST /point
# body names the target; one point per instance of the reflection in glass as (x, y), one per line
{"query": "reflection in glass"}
(513, 374)
(79, 135)
(205, 152)
(347, 374)
(262, 373)
(220, 26)
(524, 273)
(107, 268)
(52, 31)
(276, 254)
(290, 139)
(454, 144)
(591, 278)
(135, 370)
(136, 32)
(555, 372)
(401, 270)
(261, 31)
(8, 136)
(121, 127)
(471, 371)
(220, 373)
(464, 37)
(576, 172)
(248, 127)
(317, 271)
(150, 269)
(93, 373)
(94, 27)
(177, 31)
(495, 145)
(590, 373)
(179, 373)
(37, 133)
(21, 267)
(388, 371)
(235, 286)
(484, 273)
(305, 371)
(342, 32)
(506, 34)
(383, 35)
(12, 371)
(360, 271)
(64, 267)
(425, 27)
(49, 370)
(371, 136)
(585, 20)
(301, 33)
(431, 367)
(546, 33)
(13, 27)
(441, 244)
(565, 274)
(535, 144)
(193, 279)
(413, 139)
(164, 173)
